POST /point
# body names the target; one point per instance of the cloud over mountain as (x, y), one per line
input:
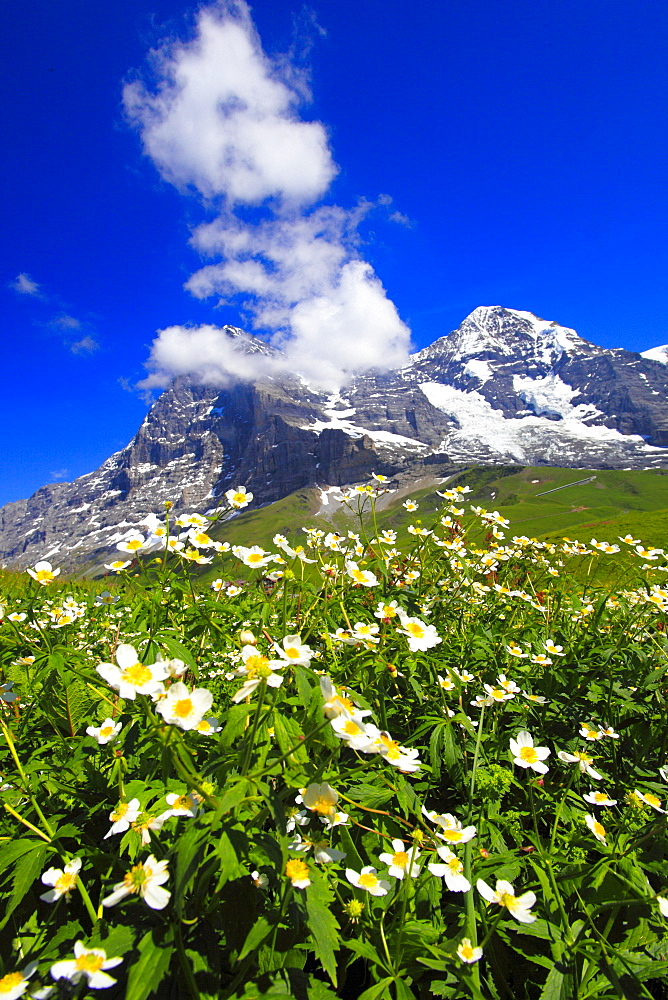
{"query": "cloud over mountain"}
(223, 120)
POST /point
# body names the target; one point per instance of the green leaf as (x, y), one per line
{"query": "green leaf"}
(155, 953)
(554, 984)
(322, 924)
(232, 796)
(258, 933)
(235, 725)
(28, 867)
(178, 651)
(380, 991)
(403, 991)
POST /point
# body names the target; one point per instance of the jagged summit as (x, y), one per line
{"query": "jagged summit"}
(496, 331)
(505, 387)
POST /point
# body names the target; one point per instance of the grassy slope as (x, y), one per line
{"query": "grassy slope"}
(615, 503)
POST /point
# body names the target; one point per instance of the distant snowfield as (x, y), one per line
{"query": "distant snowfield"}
(481, 427)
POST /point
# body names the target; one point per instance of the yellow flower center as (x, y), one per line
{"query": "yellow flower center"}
(507, 899)
(454, 836)
(400, 859)
(106, 730)
(296, 870)
(529, 754)
(343, 702)
(415, 630)
(323, 806)
(257, 666)
(239, 498)
(134, 544)
(183, 708)
(89, 963)
(120, 811)
(10, 982)
(584, 757)
(652, 800)
(183, 802)
(351, 728)
(137, 675)
(66, 882)
(136, 878)
(255, 557)
(390, 744)
(368, 881)
(292, 652)
(466, 951)
(599, 829)
(455, 866)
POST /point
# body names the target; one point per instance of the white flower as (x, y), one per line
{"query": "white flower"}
(663, 905)
(467, 953)
(596, 828)
(355, 732)
(401, 862)
(62, 880)
(452, 871)
(183, 805)
(504, 895)
(122, 816)
(294, 651)
(336, 704)
(88, 962)
(538, 699)
(599, 799)
(146, 880)
(298, 873)
(209, 727)
(453, 831)
(365, 577)
(106, 732)
(254, 556)
(133, 544)
(650, 800)
(14, 984)
(256, 668)
(239, 497)
(583, 760)
(420, 635)
(525, 754)
(117, 566)
(321, 799)
(43, 573)
(368, 880)
(184, 708)
(131, 677)
(552, 649)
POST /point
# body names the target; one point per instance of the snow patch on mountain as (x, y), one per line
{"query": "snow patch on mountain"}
(480, 430)
(656, 354)
(550, 396)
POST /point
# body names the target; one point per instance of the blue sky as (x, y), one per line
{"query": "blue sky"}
(477, 152)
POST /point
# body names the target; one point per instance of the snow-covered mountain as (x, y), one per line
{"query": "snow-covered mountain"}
(505, 387)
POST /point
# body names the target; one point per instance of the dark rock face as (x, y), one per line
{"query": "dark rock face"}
(505, 387)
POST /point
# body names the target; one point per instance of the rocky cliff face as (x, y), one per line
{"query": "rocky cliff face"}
(504, 387)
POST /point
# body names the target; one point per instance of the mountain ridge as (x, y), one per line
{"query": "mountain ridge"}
(505, 387)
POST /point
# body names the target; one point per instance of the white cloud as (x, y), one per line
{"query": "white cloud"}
(65, 322)
(24, 285)
(87, 345)
(223, 119)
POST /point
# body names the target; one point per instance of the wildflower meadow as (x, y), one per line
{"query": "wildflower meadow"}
(343, 768)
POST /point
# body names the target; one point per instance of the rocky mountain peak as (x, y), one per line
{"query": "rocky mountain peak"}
(505, 387)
